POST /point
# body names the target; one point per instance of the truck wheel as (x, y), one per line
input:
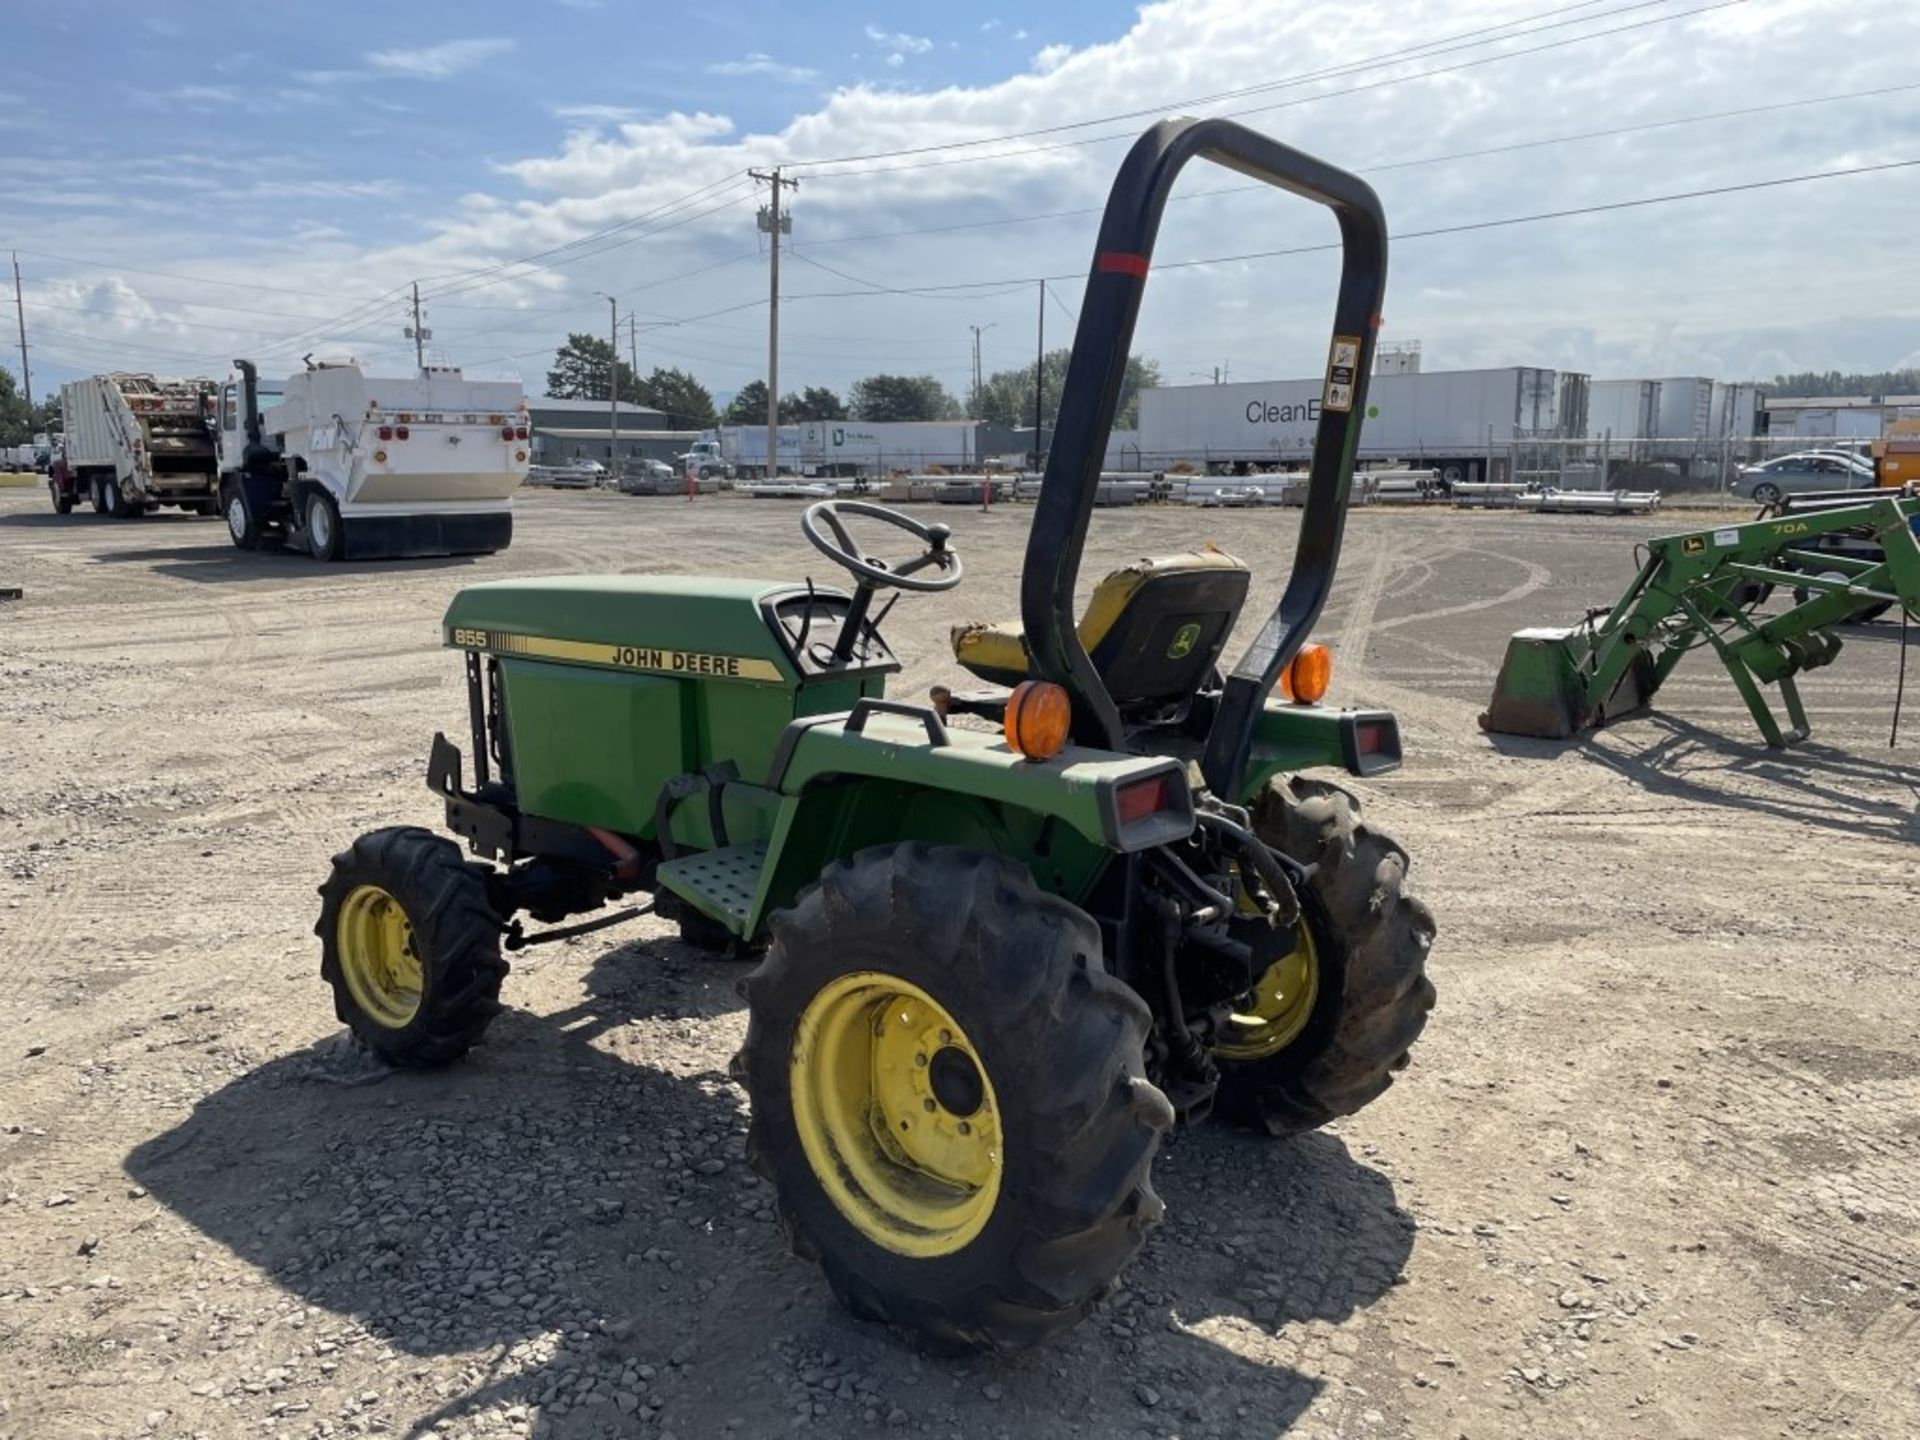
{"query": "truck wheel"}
(114, 502)
(62, 501)
(1327, 1027)
(410, 946)
(97, 497)
(949, 1097)
(324, 538)
(242, 524)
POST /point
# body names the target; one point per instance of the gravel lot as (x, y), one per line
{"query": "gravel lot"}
(1655, 1170)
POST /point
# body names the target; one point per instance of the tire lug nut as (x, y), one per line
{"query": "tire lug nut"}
(928, 1105)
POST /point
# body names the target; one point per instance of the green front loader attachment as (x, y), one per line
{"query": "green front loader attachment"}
(1700, 589)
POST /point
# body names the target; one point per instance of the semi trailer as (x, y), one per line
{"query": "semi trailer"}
(136, 442)
(349, 466)
(848, 449)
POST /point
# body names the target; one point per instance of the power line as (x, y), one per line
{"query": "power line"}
(1370, 62)
(1382, 166)
(1387, 83)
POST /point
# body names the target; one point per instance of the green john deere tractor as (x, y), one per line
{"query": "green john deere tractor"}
(1008, 938)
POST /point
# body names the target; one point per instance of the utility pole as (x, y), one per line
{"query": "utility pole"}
(417, 332)
(26, 375)
(774, 225)
(979, 380)
(1039, 374)
(613, 389)
(633, 347)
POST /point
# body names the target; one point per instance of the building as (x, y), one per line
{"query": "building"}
(569, 430)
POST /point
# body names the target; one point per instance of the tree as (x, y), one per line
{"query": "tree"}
(1006, 396)
(882, 398)
(1809, 384)
(748, 406)
(581, 368)
(16, 417)
(687, 404)
(816, 402)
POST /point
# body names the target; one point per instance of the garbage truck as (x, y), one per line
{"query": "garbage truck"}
(136, 442)
(349, 466)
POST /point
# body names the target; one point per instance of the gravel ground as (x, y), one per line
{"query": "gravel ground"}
(1655, 1170)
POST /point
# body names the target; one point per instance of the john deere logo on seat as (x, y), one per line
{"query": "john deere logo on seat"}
(1183, 641)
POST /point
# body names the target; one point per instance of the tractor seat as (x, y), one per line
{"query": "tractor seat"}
(1153, 630)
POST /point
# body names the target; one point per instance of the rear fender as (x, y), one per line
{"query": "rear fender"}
(872, 777)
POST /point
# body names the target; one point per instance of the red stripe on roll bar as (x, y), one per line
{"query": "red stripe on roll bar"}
(1120, 262)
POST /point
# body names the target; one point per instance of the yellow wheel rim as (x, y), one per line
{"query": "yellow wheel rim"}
(896, 1114)
(377, 956)
(1275, 1011)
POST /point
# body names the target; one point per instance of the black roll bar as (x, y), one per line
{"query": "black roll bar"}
(1101, 344)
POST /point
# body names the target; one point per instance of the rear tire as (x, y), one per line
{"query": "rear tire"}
(325, 540)
(411, 946)
(966, 948)
(114, 501)
(1370, 941)
(97, 497)
(62, 501)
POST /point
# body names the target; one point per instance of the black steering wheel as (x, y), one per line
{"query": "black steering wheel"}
(840, 548)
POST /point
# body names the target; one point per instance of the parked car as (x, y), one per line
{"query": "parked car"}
(649, 477)
(574, 475)
(1802, 472)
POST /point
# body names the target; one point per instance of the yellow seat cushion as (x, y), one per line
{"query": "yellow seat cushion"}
(998, 653)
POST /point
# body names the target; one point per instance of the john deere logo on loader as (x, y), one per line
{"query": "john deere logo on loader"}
(1694, 545)
(1183, 641)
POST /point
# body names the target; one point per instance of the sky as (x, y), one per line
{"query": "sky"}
(190, 182)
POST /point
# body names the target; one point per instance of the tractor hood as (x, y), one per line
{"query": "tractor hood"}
(670, 624)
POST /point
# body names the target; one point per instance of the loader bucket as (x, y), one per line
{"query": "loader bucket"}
(1544, 682)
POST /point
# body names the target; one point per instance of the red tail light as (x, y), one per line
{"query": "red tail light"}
(506, 432)
(399, 432)
(386, 432)
(520, 433)
(1141, 798)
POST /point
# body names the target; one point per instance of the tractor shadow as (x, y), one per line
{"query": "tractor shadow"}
(577, 1222)
(1811, 783)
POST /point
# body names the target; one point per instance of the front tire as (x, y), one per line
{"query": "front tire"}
(325, 540)
(1340, 1023)
(411, 946)
(939, 997)
(243, 526)
(62, 501)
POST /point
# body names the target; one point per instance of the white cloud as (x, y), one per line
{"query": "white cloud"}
(759, 63)
(896, 60)
(438, 62)
(899, 41)
(600, 114)
(987, 25)
(1052, 58)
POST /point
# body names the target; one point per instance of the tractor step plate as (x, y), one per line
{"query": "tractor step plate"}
(720, 882)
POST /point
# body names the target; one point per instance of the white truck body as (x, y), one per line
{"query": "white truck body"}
(142, 440)
(464, 445)
(417, 465)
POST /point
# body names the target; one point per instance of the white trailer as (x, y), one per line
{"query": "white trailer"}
(350, 466)
(1454, 422)
(846, 449)
(135, 442)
